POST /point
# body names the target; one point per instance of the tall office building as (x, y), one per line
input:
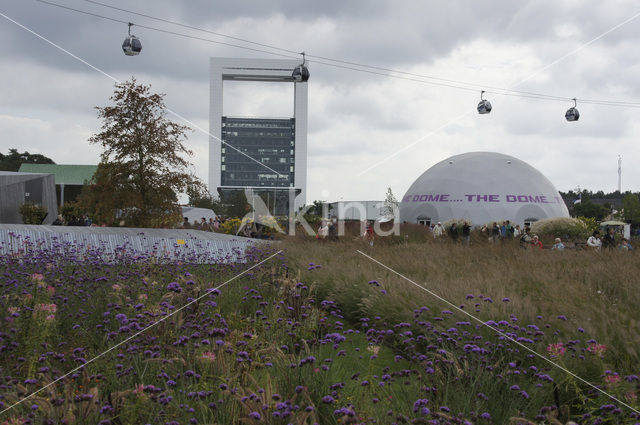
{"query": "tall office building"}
(265, 155)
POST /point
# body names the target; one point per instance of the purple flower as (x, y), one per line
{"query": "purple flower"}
(174, 286)
(327, 399)
(255, 415)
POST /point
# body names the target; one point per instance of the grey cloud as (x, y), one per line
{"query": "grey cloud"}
(352, 115)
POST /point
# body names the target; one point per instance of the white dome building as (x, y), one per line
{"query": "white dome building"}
(481, 187)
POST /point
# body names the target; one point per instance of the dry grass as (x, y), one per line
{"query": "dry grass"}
(597, 291)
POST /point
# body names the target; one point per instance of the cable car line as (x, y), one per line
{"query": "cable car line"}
(501, 90)
(114, 79)
(191, 27)
(342, 64)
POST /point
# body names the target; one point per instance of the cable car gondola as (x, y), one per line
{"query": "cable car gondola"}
(572, 113)
(484, 107)
(131, 45)
(301, 72)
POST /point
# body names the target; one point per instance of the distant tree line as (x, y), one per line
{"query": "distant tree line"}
(599, 205)
(14, 159)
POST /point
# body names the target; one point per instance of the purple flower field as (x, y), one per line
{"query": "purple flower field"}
(279, 346)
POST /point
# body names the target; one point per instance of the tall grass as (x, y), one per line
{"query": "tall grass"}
(596, 291)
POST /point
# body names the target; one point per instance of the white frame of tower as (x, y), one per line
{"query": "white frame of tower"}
(241, 69)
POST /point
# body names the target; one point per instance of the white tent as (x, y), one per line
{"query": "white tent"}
(196, 214)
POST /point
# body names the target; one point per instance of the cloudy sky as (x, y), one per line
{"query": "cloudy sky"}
(367, 132)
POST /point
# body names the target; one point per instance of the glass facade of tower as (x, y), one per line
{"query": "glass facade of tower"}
(269, 141)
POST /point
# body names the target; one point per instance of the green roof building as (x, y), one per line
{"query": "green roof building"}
(73, 177)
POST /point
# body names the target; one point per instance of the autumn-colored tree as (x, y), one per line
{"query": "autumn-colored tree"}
(143, 167)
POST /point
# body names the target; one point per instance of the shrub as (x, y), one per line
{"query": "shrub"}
(69, 210)
(32, 213)
(231, 226)
(459, 223)
(590, 222)
(563, 227)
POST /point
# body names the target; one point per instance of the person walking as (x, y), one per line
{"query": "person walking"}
(509, 230)
(594, 241)
(369, 233)
(453, 232)
(495, 232)
(609, 240)
(323, 231)
(516, 231)
(438, 231)
(526, 239)
(466, 233)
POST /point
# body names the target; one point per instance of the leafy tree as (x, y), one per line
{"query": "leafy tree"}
(205, 200)
(589, 209)
(235, 203)
(316, 208)
(142, 168)
(390, 204)
(13, 160)
(631, 207)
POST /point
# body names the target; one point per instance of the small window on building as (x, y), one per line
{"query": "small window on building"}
(223, 167)
(529, 221)
(425, 221)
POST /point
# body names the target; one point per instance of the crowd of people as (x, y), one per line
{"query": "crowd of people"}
(608, 241)
(496, 233)
(83, 220)
(328, 230)
(213, 225)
